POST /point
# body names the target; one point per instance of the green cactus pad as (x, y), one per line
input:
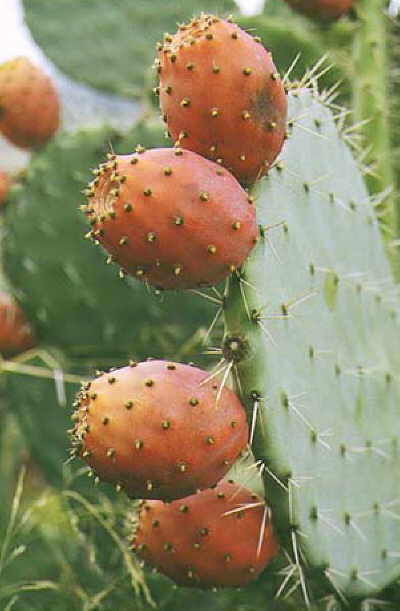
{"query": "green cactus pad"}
(109, 44)
(316, 315)
(76, 302)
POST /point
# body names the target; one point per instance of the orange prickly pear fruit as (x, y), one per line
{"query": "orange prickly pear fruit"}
(171, 217)
(159, 430)
(221, 537)
(29, 106)
(222, 97)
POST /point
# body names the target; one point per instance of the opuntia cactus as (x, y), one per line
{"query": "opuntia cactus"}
(311, 343)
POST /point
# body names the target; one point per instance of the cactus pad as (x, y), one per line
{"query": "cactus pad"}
(316, 315)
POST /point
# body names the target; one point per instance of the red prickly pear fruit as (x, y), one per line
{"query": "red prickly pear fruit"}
(221, 537)
(159, 430)
(322, 9)
(221, 96)
(16, 334)
(4, 187)
(29, 107)
(171, 217)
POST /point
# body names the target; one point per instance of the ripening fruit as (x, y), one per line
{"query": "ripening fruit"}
(4, 187)
(16, 334)
(221, 537)
(221, 96)
(322, 9)
(171, 218)
(29, 107)
(159, 430)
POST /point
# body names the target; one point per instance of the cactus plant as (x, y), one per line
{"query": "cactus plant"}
(311, 327)
(311, 335)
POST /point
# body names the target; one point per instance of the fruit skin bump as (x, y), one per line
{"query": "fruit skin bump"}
(324, 10)
(29, 105)
(221, 96)
(221, 537)
(171, 217)
(16, 334)
(159, 430)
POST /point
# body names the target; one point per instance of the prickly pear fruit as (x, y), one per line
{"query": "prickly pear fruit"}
(321, 9)
(16, 334)
(221, 537)
(159, 430)
(171, 217)
(221, 96)
(4, 187)
(29, 107)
